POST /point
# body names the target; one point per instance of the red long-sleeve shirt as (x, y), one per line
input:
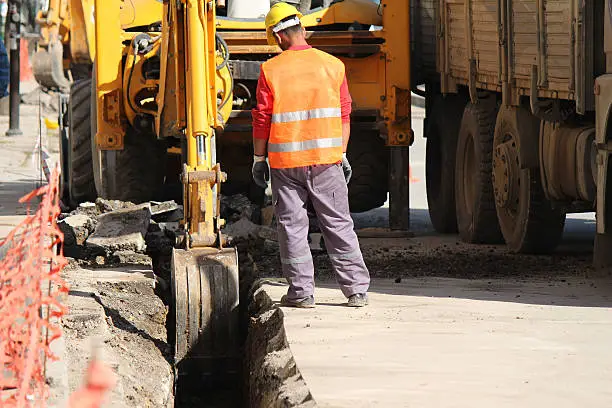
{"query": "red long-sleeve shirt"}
(262, 113)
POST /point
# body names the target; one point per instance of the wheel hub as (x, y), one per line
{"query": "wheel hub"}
(506, 175)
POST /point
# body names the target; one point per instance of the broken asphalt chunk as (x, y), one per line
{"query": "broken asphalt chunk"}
(122, 230)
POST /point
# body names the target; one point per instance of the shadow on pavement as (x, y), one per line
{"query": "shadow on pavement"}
(559, 292)
(11, 192)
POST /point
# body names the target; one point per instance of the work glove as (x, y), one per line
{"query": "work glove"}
(346, 168)
(261, 171)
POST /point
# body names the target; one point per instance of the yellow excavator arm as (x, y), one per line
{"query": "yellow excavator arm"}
(172, 80)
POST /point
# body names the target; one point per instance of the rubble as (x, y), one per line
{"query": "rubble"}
(124, 258)
(163, 207)
(86, 208)
(159, 240)
(236, 207)
(123, 229)
(76, 228)
(246, 229)
(106, 206)
(116, 233)
(170, 228)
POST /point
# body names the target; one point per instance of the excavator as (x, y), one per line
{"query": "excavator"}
(159, 92)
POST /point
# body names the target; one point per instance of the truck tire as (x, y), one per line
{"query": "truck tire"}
(528, 221)
(136, 173)
(475, 201)
(79, 171)
(441, 130)
(369, 184)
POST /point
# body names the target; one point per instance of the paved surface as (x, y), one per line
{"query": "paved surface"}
(457, 343)
(19, 167)
(539, 338)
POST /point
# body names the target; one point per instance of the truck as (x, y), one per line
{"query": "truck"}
(155, 103)
(517, 106)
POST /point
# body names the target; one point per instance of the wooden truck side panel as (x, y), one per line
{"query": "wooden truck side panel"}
(512, 46)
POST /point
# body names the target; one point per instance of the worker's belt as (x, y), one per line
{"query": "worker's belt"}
(304, 145)
(321, 113)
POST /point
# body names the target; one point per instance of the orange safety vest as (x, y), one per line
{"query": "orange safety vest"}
(306, 126)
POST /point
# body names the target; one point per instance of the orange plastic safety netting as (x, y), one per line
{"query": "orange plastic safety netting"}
(30, 290)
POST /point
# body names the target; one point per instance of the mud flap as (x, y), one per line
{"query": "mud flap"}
(206, 311)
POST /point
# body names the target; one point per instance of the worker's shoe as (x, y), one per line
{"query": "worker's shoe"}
(306, 303)
(358, 300)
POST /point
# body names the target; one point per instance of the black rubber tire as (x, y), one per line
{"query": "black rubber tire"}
(369, 183)
(441, 131)
(79, 174)
(136, 173)
(535, 226)
(474, 198)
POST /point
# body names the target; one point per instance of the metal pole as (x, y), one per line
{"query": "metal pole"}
(14, 42)
(399, 211)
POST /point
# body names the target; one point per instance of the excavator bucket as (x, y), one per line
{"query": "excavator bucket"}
(205, 298)
(48, 67)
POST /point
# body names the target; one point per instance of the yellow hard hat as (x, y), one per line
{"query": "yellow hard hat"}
(278, 12)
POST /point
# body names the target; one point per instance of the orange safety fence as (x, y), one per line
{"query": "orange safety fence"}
(30, 307)
(30, 288)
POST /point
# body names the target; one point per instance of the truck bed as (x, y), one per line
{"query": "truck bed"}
(504, 45)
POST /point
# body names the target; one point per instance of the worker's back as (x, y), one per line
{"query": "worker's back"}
(305, 84)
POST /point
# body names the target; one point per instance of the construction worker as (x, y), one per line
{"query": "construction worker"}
(301, 124)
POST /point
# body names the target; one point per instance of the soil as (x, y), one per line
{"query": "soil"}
(442, 256)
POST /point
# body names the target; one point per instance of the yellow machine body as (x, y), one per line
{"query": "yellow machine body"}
(175, 75)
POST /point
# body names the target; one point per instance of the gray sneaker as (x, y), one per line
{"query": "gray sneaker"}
(358, 300)
(306, 303)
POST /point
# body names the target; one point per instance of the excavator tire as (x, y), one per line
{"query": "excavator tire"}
(135, 173)
(79, 170)
(369, 160)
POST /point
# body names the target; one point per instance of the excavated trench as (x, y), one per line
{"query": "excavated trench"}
(269, 376)
(137, 311)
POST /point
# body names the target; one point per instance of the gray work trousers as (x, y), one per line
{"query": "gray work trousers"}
(325, 187)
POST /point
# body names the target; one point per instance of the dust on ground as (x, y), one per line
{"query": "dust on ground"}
(431, 255)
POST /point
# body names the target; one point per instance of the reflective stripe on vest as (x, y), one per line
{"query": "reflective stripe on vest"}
(304, 145)
(306, 126)
(320, 113)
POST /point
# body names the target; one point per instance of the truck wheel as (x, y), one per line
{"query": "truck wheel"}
(527, 220)
(369, 184)
(475, 201)
(441, 130)
(79, 171)
(135, 173)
